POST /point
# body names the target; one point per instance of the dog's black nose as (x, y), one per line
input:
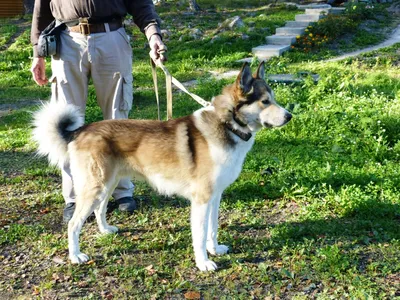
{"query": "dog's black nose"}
(288, 117)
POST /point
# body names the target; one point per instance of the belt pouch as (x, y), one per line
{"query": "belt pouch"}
(49, 39)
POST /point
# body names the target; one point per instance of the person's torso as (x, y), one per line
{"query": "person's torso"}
(94, 9)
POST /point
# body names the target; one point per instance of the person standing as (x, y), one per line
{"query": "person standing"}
(94, 45)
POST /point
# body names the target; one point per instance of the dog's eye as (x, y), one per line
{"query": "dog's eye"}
(266, 102)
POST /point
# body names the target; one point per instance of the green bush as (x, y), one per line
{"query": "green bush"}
(360, 11)
(334, 26)
(326, 30)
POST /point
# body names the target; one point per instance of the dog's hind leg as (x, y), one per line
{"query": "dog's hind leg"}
(200, 212)
(84, 207)
(212, 243)
(101, 210)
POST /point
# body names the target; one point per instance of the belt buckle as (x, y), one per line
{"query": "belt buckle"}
(84, 26)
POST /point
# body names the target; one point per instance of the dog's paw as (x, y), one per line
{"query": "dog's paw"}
(219, 250)
(109, 229)
(78, 258)
(206, 265)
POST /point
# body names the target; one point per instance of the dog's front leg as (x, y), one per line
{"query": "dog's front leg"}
(199, 223)
(212, 243)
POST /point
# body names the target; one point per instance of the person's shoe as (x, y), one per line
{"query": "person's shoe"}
(68, 212)
(127, 204)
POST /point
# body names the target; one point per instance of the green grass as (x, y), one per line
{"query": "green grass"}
(314, 214)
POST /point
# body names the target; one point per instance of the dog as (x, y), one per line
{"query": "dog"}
(196, 156)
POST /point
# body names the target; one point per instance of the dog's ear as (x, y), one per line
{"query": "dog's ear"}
(245, 79)
(261, 71)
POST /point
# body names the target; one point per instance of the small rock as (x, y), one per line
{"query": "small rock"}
(165, 33)
(231, 23)
(58, 260)
(309, 288)
(196, 31)
(215, 38)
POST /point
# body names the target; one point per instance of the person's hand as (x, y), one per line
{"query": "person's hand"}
(157, 48)
(38, 70)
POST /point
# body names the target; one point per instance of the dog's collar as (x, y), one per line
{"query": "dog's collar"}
(245, 136)
(237, 120)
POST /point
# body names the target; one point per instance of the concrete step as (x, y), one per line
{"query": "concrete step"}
(290, 30)
(267, 51)
(297, 24)
(317, 11)
(281, 39)
(308, 18)
(315, 5)
(337, 10)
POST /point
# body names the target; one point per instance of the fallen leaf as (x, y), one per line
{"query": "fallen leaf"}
(35, 291)
(83, 284)
(192, 295)
(150, 270)
(55, 276)
(45, 211)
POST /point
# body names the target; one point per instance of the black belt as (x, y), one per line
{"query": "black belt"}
(87, 28)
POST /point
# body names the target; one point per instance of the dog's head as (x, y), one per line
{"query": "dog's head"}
(252, 102)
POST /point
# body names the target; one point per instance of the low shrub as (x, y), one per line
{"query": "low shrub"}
(324, 31)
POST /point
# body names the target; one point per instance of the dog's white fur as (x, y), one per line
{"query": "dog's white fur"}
(197, 156)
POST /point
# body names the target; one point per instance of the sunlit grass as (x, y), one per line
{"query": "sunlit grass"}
(315, 212)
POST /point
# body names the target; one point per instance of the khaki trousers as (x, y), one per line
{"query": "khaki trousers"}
(107, 58)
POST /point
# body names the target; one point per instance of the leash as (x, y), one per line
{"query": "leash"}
(245, 136)
(169, 79)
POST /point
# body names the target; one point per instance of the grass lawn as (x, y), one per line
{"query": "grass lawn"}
(314, 214)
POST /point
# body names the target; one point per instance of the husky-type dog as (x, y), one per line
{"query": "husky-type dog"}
(197, 156)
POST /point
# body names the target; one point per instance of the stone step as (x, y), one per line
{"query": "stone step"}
(281, 39)
(290, 30)
(267, 51)
(318, 6)
(297, 24)
(337, 10)
(317, 11)
(308, 18)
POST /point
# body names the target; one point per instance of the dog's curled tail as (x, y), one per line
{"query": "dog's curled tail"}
(54, 125)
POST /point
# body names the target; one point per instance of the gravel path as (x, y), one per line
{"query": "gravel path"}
(393, 39)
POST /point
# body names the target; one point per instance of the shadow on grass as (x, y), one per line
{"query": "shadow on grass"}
(16, 163)
(371, 222)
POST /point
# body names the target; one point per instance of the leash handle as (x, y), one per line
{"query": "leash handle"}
(169, 80)
(155, 82)
(168, 84)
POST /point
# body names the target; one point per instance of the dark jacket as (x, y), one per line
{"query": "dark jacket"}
(45, 11)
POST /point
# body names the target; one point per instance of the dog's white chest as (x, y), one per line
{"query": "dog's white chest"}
(228, 164)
